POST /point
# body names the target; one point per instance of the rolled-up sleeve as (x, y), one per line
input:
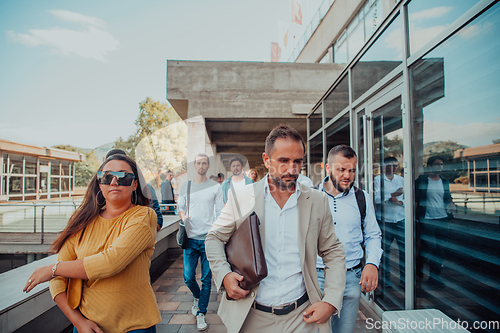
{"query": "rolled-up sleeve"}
(138, 235)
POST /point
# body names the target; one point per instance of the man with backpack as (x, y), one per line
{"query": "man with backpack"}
(356, 227)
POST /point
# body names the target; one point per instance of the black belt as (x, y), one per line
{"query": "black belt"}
(281, 310)
(355, 267)
(349, 269)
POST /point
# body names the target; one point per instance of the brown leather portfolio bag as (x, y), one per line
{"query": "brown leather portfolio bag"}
(244, 251)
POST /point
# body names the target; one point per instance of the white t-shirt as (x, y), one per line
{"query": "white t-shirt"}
(205, 205)
(435, 200)
(237, 185)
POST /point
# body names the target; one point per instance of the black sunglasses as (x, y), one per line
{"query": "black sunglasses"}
(123, 178)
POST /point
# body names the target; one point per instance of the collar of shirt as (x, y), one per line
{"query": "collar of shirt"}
(267, 191)
(341, 194)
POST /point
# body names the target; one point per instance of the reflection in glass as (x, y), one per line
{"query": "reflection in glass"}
(15, 185)
(356, 40)
(30, 166)
(315, 120)
(338, 100)
(316, 164)
(64, 184)
(43, 182)
(54, 184)
(30, 185)
(388, 187)
(380, 59)
(340, 53)
(338, 133)
(4, 185)
(54, 168)
(16, 164)
(5, 160)
(374, 17)
(455, 99)
(361, 151)
(428, 18)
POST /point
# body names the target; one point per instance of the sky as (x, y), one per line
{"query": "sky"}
(74, 72)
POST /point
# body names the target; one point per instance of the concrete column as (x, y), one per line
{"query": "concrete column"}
(198, 142)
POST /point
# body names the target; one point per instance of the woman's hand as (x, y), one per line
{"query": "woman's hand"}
(40, 275)
(87, 326)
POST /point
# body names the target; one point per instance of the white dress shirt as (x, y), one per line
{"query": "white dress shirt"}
(347, 220)
(393, 212)
(284, 282)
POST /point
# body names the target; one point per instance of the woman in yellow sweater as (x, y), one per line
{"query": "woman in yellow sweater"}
(107, 244)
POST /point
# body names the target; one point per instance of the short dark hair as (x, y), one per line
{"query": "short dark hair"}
(202, 155)
(390, 159)
(115, 151)
(236, 159)
(169, 171)
(433, 159)
(282, 132)
(220, 175)
(344, 150)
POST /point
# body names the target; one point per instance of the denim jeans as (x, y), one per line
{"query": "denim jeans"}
(195, 250)
(151, 329)
(346, 320)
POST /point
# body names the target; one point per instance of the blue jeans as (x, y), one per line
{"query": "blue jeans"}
(152, 329)
(195, 250)
(346, 320)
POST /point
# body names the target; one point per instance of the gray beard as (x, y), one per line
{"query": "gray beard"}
(282, 185)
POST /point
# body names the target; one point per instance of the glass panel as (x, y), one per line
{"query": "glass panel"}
(16, 164)
(380, 59)
(373, 18)
(16, 185)
(30, 166)
(4, 185)
(388, 186)
(54, 184)
(65, 168)
(340, 53)
(30, 185)
(5, 160)
(64, 184)
(54, 168)
(317, 172)
(356, 40)
(338, 133)
(494, 180)
(338, 100)
(428, 18)
(455, 100)
(361, 150)
(315, 120)
(481, 164)
(43, 182)
(495, 163)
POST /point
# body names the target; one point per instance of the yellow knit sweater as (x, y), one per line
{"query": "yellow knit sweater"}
(116, 255)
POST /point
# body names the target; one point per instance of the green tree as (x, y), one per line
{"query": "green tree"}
(159, 142)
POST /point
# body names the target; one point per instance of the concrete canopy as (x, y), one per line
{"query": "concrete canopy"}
(241, 102)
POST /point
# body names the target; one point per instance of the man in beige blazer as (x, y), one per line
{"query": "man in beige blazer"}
(296, 224)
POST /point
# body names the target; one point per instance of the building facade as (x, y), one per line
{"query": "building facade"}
(421, 80)
(34, 173)
(404, 79)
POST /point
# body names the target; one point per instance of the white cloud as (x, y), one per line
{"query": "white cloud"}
(430, 13)
(473, 30)
(420, 37)
(92, 41)
(469, 134)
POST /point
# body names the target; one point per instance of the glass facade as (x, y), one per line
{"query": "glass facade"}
(25, 177)
(433, 125)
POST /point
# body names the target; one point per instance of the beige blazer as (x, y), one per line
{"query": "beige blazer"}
(316, 236)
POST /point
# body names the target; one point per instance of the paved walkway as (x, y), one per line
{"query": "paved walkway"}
(175, 300)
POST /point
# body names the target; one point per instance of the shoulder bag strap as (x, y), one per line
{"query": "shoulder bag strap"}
(235, 199)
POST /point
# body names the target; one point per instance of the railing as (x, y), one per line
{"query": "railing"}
(31, 223)
(311, 27)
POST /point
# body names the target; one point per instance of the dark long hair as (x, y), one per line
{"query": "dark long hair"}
(90, 207)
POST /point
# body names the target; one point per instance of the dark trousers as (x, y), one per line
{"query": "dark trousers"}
(431, 245)
(391, 232)
(170, 210)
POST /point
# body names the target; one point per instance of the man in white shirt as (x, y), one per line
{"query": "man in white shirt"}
(389, 198)
(237, 180)
(354, 228)
(205, 200)
(296, 224)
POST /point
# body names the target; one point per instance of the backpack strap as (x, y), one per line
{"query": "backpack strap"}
(361, 200)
